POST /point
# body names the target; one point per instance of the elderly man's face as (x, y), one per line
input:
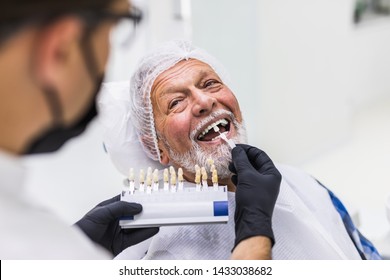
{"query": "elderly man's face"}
(188, 99)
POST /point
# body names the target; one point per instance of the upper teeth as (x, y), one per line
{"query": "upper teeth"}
(214, 125)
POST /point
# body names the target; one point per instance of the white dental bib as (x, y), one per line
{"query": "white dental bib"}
(306, 226)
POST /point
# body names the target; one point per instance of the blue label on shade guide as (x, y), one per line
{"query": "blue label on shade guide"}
(221, 208)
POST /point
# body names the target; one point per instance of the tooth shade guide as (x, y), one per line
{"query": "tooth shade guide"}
(214, 179)
(228, 141)
(141, 180)
(180, 174)
(155, 175)
(166, 175)
(149, 172)
(142, 176)
(173, 180)
(197, 169)
(204, 173)
(180, 208)
(214, 176)
(131, 175)
(148, 181)
(132, 187)
(204, 179)
(180, 179)
(181, 186)
(142, 187)
(155, 180)
(197, 183)
(197, 178)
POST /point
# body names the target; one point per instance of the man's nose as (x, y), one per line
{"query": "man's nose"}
(203, 102)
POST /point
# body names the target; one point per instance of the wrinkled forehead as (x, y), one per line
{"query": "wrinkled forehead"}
(190, 70)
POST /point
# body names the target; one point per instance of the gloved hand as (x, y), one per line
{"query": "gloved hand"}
(257, 187)
(101, 224)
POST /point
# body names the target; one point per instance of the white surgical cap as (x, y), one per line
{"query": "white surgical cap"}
(127, 114)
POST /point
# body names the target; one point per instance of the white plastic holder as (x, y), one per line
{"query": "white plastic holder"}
(180, 208)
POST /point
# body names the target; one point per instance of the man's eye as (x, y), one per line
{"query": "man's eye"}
(173, 103)
(210, 83)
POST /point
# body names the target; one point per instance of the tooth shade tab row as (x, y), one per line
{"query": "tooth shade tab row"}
(178, 202)
(171, 180)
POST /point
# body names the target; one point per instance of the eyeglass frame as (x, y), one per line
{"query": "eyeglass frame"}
(96, 17)
(135, 14)
(92, 17)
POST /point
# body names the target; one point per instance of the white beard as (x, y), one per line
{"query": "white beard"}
(221, 155)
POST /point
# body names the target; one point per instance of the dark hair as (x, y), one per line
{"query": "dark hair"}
(17, 13)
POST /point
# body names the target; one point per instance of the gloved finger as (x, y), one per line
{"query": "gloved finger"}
(109, 201)
(136, 236)
(240, 159)
(234, 179)
(260, 160)
(232, 168)
(111, 212)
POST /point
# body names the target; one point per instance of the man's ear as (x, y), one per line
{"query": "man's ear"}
(164, 156)
(54, 48)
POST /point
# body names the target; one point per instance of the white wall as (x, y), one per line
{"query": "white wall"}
(369, 64)
(303, 90)
(301, 69)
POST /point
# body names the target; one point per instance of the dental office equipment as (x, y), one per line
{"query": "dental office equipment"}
(204, 178)
(197, 178)
(179, 204)
(166, 180)
(180, 178)
(214, 179)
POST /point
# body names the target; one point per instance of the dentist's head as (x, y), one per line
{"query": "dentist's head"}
(52, 61)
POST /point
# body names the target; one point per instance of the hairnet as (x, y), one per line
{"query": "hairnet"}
(149, 68)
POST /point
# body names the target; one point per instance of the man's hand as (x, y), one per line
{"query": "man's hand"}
(101, 224)
(257, 187)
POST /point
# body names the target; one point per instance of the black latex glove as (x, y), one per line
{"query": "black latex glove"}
(257, 187)
(101, 224)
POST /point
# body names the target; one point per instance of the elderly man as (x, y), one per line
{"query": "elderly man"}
(178, 95)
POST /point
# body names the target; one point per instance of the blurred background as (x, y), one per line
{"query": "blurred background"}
(313, 81)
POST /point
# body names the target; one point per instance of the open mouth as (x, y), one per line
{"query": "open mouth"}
(210, 133)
